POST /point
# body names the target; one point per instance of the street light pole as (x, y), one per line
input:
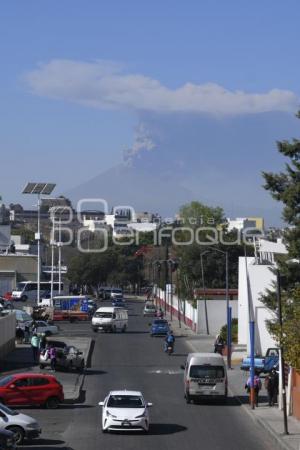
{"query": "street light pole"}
(285, 420)
(228, 315)
(38, 237)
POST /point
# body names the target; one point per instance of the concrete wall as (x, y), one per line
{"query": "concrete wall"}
(260, 278)
(184, 310)
(7, 334)
(216, 314)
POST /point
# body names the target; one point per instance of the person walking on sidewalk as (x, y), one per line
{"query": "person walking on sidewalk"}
(257, 387)
(35, 345)
(52, 356)
(271, 384)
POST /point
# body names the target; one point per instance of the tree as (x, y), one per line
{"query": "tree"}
(285, 188)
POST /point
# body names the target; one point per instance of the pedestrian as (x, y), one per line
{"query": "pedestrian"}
(43, 342)
(26, 334)
(35, 345)
(20, 335)
(257, 387)
(271, 384)
(52, 356)
(219, 344)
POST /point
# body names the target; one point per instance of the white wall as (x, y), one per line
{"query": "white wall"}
(260, 278)
(216, 313)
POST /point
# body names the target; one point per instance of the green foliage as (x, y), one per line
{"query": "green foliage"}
(285, 187)
(234, 331)
(117, 265)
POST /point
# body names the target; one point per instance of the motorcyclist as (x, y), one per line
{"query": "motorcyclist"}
(170, 340)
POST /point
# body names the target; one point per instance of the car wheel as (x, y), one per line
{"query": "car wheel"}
(52, 403)
(18, 433)
(48, 333)
(104, 431)
(95, 330)
(124, 329)
(42, 366)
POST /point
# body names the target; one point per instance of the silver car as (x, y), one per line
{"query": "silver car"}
(21, 425)
(67, 358)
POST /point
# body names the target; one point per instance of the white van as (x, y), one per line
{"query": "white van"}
(205, 376)
(110, 319)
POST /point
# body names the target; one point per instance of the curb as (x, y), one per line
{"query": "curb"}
(81, 378)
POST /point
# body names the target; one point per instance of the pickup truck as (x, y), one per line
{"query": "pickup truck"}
(263, 364)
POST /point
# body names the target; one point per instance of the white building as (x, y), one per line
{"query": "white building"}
(256, 276)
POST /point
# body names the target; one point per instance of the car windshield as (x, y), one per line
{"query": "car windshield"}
(5, 380)
(104, 315)
(160, 322)
(207, 372)
(150, 307)
(8, 411)
(125, 401)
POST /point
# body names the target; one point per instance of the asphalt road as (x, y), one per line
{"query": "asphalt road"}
(134, 360)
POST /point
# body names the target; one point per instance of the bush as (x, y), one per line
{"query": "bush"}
(234, 331)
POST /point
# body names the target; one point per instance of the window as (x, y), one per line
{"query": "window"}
(39, 381)
(5, 380)
(21, 382)
(103, 315)
(207, 372)
(125, 401)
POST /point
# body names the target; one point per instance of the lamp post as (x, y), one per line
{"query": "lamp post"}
(204, 292)
(225, 253)
(285, 420)
(38, 189)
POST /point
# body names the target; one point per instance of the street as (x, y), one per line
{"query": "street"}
(136, 361)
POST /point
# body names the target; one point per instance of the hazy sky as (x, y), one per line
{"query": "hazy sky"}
(79, 79)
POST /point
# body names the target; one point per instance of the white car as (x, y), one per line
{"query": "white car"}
(21, 425)
(125, 411)
(43, 327)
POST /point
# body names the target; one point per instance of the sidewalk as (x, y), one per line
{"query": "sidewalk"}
(271, 419)
(21, 360)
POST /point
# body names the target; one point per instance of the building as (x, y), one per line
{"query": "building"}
(242, 223)
(256, 276)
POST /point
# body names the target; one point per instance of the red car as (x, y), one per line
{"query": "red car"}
(31, 389)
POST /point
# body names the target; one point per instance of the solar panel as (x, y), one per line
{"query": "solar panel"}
(39, 188)
(48, 188)
(28, 188)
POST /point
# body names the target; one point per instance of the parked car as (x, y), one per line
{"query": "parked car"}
(263, 364)
(67, 358)
(7, 440)
(6, 307)
(159, 327)
(23, 426)
(125, 410)
(28, 389)
(23, 318)
(150, 310)
(43, 327)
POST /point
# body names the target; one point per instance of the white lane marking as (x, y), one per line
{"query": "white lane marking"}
(166, 372)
